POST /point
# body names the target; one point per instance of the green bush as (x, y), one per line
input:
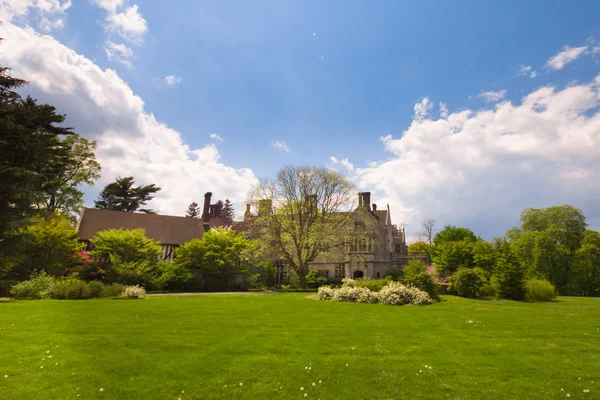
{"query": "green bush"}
(5, 286)
(40, 286)
(314, 279)
(425, 282)
(374, 285)
(467, 282)
(487, 291)
(392, 274)
(128, 245)
(70, 289)
(96, 289)
(113, 290)
(509, 281)
(414, 267)
(539, 290)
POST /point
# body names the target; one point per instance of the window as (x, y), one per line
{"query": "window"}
(339, 271)
(398, 248)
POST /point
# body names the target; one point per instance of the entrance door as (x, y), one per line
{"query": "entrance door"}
(358, 274)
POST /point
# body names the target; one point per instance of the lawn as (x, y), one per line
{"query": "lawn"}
(259, 346)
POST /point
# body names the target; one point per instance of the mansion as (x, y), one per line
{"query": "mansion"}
(382, 250)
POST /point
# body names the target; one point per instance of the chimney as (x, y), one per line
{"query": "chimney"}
(247, 214)
(366, 200)
(374, 207)
(360, 199)
(206, 211)
(264, 207)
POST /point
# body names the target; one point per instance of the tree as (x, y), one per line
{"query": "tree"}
(61, 192)
(418, 248)
(428, 226)
(566, 222)
(121, 195)
(193, 210)
(452, 255)
(452, 233)
(509, 279)
(129, 245)
(584, 278)
(299, 215)
(228, 212)
(467, 282)
(216, 258)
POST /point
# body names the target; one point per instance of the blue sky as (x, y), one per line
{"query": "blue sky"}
(329, 79)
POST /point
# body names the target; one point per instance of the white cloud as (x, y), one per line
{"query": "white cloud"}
(118, 53)
(443, 110)
(344, 163)
(422, 108)
(216, 137)
(492, 96)
(526, 70)
(172, 80)
(130, 24)
(101, 106)
(51, 14)
(279, 145)
(565, 56)
(481, 168)
(109, 5)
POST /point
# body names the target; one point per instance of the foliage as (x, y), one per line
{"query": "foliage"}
(5, 286)
(452, 233)
(121, 195)
(392, 293)
(325, 293)
(314, 279)
(39, 286)
(467, 282)
(508, 281)
(61, 192)
(128, 245)
(193, 210)
(305, 221)
(539, 290)
(112, 290)
(397, 294)
(414, 267)
(484, 256)
(216, 258)
(70, 289)
(566, 224)
(354, 295)
(392, 274)
(418, 248)
(374, 285)
(452, 255)
(487, 291)
(424, 282)
(134, 292)
(48, 244)
(584, 277)
(96, 288)
(228, 212)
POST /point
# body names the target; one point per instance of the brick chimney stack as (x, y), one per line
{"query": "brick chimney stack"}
(206, 211)
(374, 207)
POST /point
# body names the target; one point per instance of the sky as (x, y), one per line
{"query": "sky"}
(466, 112)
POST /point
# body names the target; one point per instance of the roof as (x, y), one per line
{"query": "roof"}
(165, 229)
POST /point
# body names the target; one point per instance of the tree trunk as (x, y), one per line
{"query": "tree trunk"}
(302, 277)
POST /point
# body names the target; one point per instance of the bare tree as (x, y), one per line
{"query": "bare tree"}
(428, 226)
(299, 214)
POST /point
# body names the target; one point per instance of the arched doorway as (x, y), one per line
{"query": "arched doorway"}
(358, 274)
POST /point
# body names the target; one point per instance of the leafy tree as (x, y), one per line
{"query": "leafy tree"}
(414, 267)
(584, 276)
(418, 248)
(216, 258)
(467, 282)
(314, 279)
(452, 255)
(306, 221)
(509, 279)
(228, 212)
(127, 245)
(566, 224)
(121, 195)
(61, 192)
(484, 256)
(193, 210)
(47, 244)
(452, 233)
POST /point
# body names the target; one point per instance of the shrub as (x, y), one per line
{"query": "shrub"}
(5, 286)
(487, 290)
(509, 280)
(325, 293)
(71, 289)
(365, 295)
(348, 282)
(392, 274)
(314, 279)
(114, 290)
(134, 292)
(127, 245)
(345, 293)
(38, 287)
(539, 290)
(467, 282)
(96, 289)
(397, 294)
(424, 282)
(374, 285)
(414, 267)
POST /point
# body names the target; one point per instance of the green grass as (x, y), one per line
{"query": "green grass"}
(206, 345)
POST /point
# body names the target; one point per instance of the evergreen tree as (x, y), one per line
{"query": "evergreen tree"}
(228, 212)
(121, 195)
(193, 210)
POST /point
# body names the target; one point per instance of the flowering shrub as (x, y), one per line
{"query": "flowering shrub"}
(325, 293)
(393, 293)
(397, 294)
(348, 282)
(134, 292)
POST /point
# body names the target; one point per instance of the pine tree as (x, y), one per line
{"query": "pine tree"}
(123, 196)
(228, 212)
(193, 210)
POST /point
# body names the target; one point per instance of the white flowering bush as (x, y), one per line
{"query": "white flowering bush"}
(348, 282)
(396, 293)
(325, 293)
(365, 295)
(345, 293)
(134, 292)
